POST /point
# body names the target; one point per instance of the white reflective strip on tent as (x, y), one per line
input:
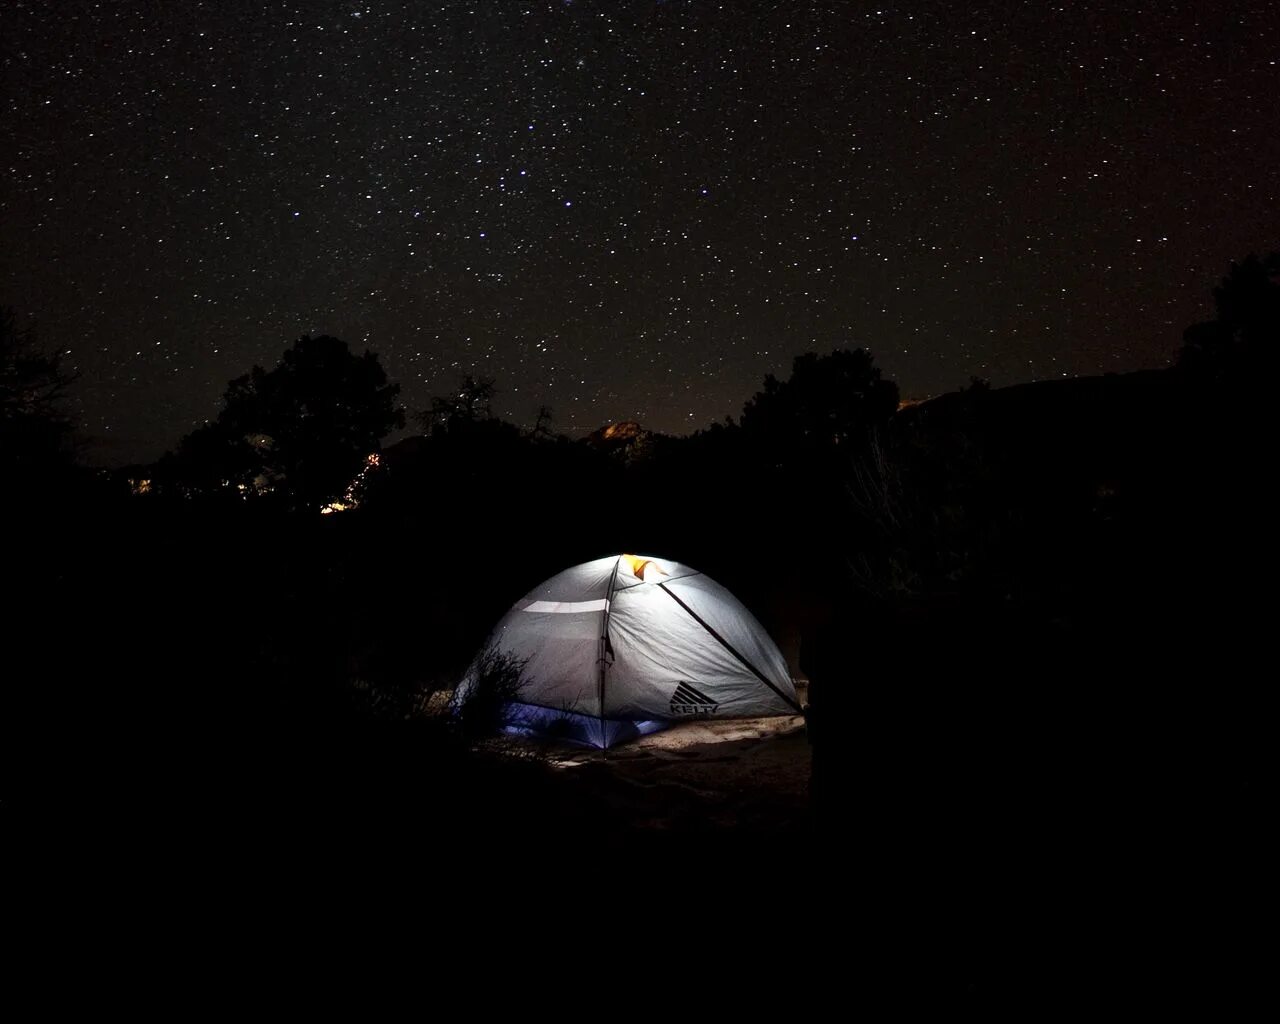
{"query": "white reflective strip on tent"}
(567, 607)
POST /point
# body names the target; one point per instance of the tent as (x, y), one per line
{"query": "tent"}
(626, 645)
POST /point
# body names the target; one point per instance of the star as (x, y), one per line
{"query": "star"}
(962, 193)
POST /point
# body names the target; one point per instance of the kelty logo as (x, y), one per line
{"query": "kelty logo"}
(688, 701)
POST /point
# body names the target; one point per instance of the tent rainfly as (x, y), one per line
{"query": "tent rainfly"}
(626, 645)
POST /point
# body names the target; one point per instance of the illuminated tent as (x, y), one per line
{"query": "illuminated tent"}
(625, 645)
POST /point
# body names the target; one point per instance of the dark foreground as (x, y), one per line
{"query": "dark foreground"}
(992, 849)
(1038, 768)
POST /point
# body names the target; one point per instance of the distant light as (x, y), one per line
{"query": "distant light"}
(568, 202)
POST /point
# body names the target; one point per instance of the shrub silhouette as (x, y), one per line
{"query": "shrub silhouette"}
(495, 684)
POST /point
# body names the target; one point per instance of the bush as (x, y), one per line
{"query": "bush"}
(483, 702)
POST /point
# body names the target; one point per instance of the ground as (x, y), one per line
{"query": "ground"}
(740, 773)
(701, 777)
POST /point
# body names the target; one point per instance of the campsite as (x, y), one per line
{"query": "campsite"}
(760, 503)
(998, 561)
(970, 645)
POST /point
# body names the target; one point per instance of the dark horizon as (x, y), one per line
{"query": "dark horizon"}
(624, 211)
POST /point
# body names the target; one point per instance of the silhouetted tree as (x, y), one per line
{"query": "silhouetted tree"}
(471, 403)
(799, 440)
(542, 425)
(213, 459)
(301, 431)
(35, 433)
(1245, 337)
(829, 402)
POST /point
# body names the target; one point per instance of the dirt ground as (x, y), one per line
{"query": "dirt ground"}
(701, 776)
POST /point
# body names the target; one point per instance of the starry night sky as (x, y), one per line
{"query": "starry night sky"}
(625, 209)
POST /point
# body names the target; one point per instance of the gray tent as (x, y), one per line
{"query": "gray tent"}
(627, 644)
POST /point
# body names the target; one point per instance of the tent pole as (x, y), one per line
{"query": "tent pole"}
(604, 649)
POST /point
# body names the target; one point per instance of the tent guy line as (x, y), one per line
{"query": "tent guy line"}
(729, 647)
